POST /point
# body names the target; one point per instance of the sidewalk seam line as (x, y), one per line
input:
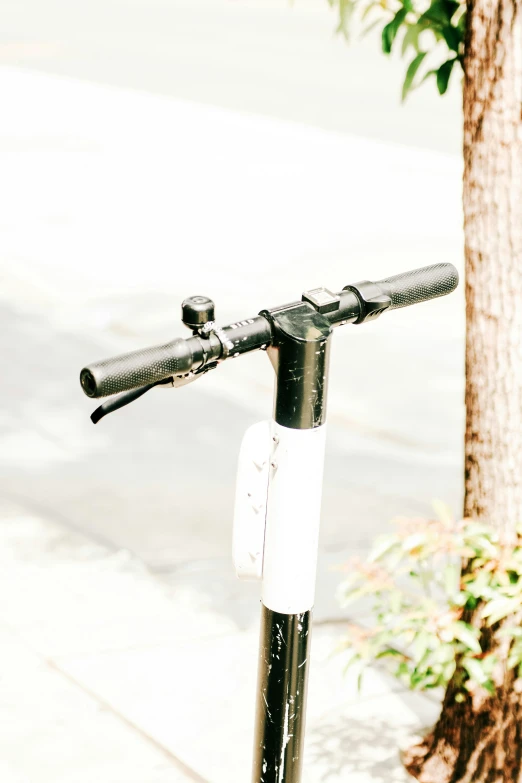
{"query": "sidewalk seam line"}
(182, 767)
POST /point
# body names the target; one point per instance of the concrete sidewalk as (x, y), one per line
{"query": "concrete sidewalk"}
(109, 674)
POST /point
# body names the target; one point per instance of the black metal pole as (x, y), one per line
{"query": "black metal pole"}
(299, 353)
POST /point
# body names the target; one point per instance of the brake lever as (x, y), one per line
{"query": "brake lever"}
(177, 381)
(126, 397)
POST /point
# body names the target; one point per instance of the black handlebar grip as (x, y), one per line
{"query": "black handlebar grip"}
(138, 368)
(420, 285)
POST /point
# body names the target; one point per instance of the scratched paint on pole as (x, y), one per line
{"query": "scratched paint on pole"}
(283, 680)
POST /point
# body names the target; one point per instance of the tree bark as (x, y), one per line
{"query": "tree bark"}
(492, 197)
(480, 740)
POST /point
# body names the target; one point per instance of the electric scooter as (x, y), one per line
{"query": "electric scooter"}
(278, 494)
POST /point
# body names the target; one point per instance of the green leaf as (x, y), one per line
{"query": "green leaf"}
(418, 679)
(489, 685)
(355, 658)
(453, 38)
(383, 547)
(478, 584)
(370, 27)
(500, 608)
(346, 10)
(390, 651)
(443, 75)
(449, 670)
(414, 540)
(403, 670)
(387, 38)
(396, 601)
(444, 654)
(514, 657)
(389, 31)
(440, 12)
(478, 529)
(451, 6)
(461, 24)
(411, 38)
(421, 645)
(482, 544)
(515, 633)
(475, 670)
(452, 578)
(467, 635)
(369, 8)
(465, 600)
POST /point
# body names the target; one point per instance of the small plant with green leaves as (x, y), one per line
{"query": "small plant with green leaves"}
(431, 34)
(446, 599)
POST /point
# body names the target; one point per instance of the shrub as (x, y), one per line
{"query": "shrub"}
(445, 597)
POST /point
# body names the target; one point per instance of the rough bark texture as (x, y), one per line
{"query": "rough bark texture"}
(493, 237)
(480, 740)
(475, 741)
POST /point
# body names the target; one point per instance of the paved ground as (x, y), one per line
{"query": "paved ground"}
(115, 204)
(109, 675)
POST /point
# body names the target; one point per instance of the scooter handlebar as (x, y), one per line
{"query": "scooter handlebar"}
(419, 285)
(138, 368)
(357, 304)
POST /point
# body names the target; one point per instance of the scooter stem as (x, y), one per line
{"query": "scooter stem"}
(300, 352)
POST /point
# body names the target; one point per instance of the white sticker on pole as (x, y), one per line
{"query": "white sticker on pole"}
(292, 518)
(250, 505)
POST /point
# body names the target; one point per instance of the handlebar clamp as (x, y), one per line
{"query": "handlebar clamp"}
(373, 301)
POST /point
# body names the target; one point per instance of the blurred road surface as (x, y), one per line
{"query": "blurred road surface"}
(273, 57)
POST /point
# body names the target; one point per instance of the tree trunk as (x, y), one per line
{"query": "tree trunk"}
(480, 740)
(493, 236)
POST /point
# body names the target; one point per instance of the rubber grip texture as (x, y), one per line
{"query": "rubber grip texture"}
(138, 368)
(429, 282)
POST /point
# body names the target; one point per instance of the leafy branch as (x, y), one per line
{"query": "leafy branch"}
(425, 33)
